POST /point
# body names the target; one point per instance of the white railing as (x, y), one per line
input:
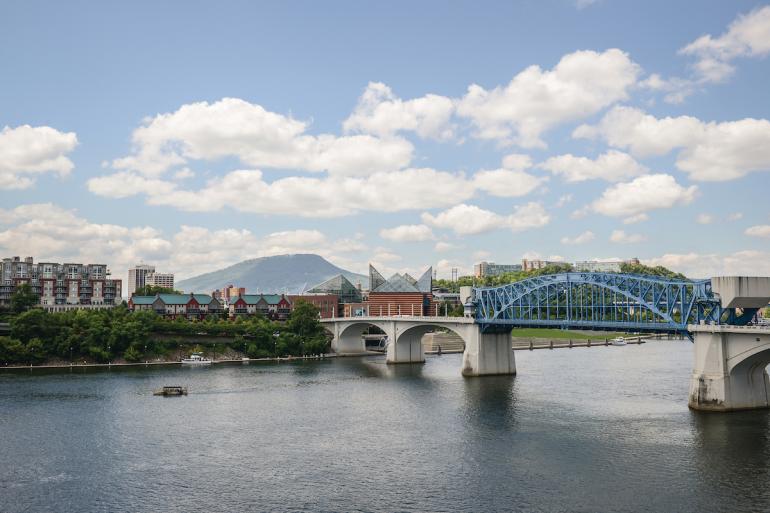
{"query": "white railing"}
(421, 318)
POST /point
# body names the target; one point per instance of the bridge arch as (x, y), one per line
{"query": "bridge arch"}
(599, 300)
(408, 347)
(348, 336)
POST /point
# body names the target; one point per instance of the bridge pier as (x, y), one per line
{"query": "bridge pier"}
(488, 354)
(729, 370)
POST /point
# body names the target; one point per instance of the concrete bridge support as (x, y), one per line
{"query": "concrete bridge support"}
(488, 354)
(407, 346)
(729, 370)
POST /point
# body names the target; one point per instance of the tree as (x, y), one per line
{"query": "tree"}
(23, 299)
(151, 290)
(303, 320)
(647, 270)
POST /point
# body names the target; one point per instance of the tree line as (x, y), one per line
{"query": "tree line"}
(117, 333)
(506, 278)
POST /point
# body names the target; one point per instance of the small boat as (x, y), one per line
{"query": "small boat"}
(171, 391)
(196, 359)
(619, 341)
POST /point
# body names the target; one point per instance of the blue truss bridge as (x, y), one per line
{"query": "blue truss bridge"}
(602, 301)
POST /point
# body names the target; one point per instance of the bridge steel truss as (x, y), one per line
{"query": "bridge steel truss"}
(598, 301)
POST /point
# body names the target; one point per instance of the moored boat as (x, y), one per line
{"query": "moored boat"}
(619, 341)
(196, 359)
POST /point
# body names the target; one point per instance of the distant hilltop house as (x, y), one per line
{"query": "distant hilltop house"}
(171, 306)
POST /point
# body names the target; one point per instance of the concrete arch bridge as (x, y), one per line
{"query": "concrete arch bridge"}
(485, 353)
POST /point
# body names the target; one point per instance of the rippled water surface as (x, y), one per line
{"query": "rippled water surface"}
(600, 429)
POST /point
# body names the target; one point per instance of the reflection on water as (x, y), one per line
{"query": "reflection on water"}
(577, 430)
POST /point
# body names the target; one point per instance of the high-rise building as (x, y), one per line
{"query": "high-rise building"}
(137, 277)
(483, 269)
(165, 280)
(60, 286)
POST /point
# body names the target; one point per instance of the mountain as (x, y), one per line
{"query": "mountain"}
(283, 273)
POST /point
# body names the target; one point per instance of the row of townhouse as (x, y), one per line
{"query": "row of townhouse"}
(273, 306)
(199, 306)
(172, 306)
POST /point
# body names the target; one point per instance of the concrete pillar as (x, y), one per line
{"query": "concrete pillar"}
(729, 368)
(405, 347)
(488, 354)
(347, 343)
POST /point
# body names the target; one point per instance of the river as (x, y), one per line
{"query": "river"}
(599, 429)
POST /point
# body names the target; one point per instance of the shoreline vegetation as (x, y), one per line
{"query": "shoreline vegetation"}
(119, 335)
(84, 365)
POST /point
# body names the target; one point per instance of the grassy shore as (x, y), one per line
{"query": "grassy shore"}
(566, 334)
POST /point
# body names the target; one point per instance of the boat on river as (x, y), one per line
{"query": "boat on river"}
(619, 341)
(196, 359)
(170, 391)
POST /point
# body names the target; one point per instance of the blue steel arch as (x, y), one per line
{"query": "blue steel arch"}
(609, 301)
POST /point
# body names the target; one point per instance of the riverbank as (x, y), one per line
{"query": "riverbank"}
(161, 362)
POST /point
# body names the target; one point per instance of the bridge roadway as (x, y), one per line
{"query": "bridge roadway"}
(730, 356)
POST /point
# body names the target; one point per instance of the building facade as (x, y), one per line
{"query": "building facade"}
(193, 307)
(327, 304)
(165, 280)
(483, 269)
(596, 266)
(137, 277)
(63, 286)
(531, 265)
(401, 294)
(273, 306)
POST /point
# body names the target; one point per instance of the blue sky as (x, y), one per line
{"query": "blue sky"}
(194, 135)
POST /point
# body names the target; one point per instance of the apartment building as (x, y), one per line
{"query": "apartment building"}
(60, 286)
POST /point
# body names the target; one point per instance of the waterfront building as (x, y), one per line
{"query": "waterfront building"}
(531, 265)
(165, 280)
(401, 294)
(273, 306)
(328, 304)
(339, 286)
(63, 286)
(484, 269)
(137, 277)
(597, 266)
(171, 306)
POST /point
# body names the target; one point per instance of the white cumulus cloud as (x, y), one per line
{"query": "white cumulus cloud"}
(232, 127)
(382, 113)
(27, 151)
(642, 194)
(761, 230)
(583, 238)
(536, 100)
(622, 237)
(747, 36)
(708, 151)
(507, 183)
(469, 219)
(407, 233)
(612, 166)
